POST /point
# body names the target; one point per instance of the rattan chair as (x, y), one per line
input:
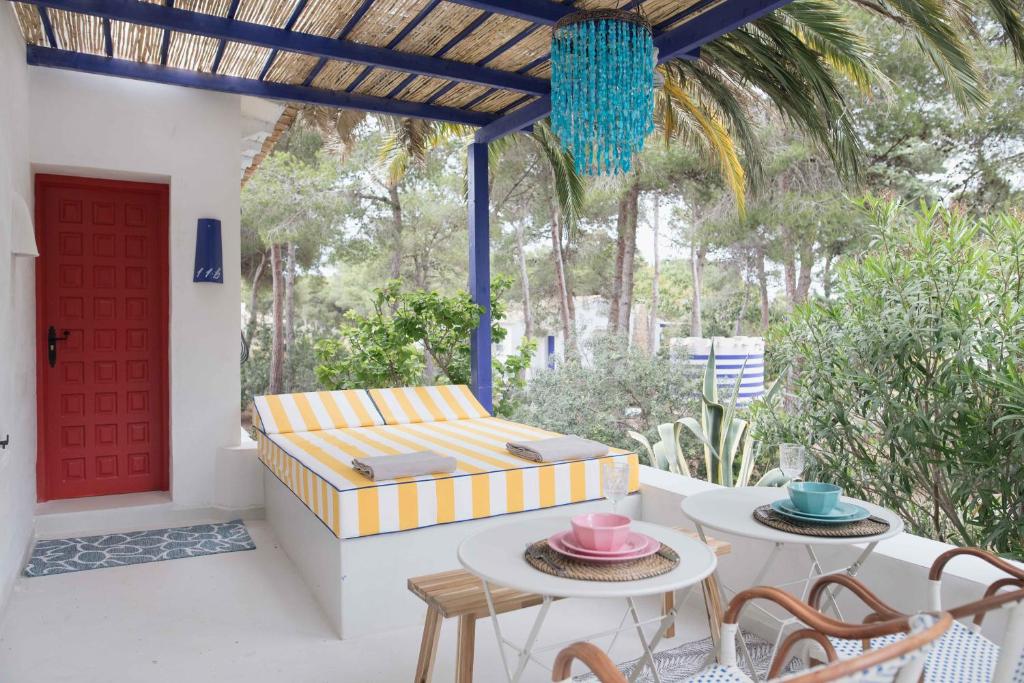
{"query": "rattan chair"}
(963, 654)
(900, 662)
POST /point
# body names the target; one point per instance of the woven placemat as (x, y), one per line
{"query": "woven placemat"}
(543, 558)
(866, 527)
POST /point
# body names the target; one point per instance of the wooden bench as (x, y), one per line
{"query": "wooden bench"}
(458, 593)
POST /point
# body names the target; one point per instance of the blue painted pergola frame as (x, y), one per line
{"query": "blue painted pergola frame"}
(682, 42)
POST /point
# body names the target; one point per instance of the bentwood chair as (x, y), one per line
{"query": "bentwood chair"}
(900, 662)
(963, 654)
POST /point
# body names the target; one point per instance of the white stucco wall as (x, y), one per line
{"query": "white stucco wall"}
(17, 315)
(98, 126)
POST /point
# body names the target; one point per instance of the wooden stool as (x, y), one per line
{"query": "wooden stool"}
(458, 593)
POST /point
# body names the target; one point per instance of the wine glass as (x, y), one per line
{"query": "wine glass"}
(615, 482)
(792, 459)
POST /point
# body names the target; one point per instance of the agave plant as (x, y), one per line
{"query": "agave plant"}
(666, 454)
(730, 450)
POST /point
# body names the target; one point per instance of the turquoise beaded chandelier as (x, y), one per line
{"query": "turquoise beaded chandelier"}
(602, 88)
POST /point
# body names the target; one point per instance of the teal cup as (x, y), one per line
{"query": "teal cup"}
(814, 497)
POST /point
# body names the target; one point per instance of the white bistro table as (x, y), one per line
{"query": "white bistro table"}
(731, 511)
(497, 557)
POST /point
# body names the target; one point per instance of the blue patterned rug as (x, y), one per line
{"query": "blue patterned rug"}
(685, 661)
(137, 547)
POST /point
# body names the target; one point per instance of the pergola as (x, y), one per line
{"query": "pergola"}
(483, 63)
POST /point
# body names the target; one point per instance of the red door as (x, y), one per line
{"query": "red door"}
(102, 335)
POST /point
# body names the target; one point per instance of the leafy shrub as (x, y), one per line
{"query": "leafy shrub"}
(418, 337)
(904, 385)
(610, 390)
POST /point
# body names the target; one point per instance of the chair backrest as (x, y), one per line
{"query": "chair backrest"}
(1010, 665)
(900, 662)
(408, 405)
(313, 411)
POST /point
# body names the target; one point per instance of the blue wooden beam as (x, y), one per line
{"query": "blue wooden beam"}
(213, 26)
(516, 121)
(481, 381)
(232, 9)
(712, 24)
(537, 11)
(124, 68)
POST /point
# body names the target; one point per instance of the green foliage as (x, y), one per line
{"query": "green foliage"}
(412, 337)
(299, 369)
(906, 386)
(608, 390)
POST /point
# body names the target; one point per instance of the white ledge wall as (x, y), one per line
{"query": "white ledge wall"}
(17, 315)
(897, 571)
(106, 127)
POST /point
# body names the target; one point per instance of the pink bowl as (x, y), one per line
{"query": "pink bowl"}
(601, 530)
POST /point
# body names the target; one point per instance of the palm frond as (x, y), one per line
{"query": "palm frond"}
(825, 28)
(570, 188)
(674, 105)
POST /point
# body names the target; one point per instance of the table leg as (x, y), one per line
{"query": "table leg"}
(722, 601)
(527, 651)
(648, 657)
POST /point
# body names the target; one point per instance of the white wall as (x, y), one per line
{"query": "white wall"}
(98, 126)
(17, 315)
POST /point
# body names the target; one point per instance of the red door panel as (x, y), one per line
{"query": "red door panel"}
(102, 279)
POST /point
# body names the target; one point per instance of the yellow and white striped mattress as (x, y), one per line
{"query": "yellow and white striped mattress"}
(488, 481)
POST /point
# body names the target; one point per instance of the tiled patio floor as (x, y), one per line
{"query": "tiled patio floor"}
(237, 617)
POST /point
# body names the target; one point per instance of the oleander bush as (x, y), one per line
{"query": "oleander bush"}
(907, 385)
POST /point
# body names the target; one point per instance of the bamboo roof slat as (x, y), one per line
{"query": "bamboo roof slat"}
(499, 100)
(336, 75)
(245, 61)
(77, 32)
(30, 23)
(385, 20)
(137, 43)
(496, 31)
(460, 95)
(192, 52)
(421, 88)
(290, 67)
(216, 7)
(380, 82)
(326, 17)
(267, 12)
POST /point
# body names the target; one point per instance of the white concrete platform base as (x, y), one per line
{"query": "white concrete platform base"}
(242, 617)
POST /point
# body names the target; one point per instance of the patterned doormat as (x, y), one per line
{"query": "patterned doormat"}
(136, 547)
(683, 662)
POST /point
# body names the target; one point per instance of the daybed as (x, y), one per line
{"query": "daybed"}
(339, 527)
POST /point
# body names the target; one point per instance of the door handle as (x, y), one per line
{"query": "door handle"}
(51, 343)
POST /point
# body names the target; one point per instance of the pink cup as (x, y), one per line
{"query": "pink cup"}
(601, 530)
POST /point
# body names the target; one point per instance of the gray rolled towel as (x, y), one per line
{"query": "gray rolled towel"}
(380, 467)
(557, 449)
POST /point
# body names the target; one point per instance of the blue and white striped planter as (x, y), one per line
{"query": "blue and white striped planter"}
(732, 356)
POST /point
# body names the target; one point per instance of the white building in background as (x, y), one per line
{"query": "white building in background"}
(734, 355)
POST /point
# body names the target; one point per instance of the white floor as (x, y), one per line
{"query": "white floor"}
(243, 617)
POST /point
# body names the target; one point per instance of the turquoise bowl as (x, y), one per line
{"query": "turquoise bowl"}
(814, 497)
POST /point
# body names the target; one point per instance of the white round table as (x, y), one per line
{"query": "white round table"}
(497, 556)
(731, 511)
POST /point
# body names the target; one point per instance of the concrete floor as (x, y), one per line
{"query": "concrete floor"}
(244, 617)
